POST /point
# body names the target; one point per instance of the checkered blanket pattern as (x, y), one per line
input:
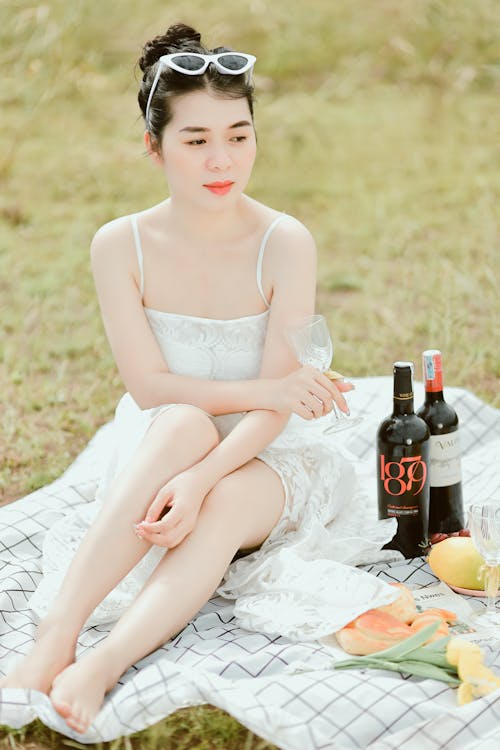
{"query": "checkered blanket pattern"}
(283, 691)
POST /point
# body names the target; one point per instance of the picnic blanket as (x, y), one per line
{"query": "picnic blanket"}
(284, 691)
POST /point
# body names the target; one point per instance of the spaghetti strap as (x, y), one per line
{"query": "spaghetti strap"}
(138, 250)
(261, 255)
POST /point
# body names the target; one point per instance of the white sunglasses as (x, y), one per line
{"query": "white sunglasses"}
(196, 63)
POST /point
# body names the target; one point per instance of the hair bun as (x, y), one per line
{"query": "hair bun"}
(177, 37)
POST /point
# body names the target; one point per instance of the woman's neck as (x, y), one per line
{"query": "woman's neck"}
(209, 227)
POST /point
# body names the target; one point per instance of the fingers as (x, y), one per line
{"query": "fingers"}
(160, 535)
(340, 401)
(314, 395)
(167, 532)
(314, 405)
(344, 385)
(309, 405)
(323, 393)
(158, 504)
(335, 391)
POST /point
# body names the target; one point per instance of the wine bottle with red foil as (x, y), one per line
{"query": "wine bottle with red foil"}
(403, 468)
(446, 513)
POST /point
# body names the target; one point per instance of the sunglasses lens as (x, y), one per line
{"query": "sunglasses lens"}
(189, 62)
(232, 61)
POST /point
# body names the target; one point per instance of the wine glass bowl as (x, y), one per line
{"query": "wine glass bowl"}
(484, 527)
(310, 340)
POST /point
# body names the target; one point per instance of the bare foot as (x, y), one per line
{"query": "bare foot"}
(78, 691)
(49, 655)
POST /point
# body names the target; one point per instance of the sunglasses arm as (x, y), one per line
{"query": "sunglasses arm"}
(152, 90)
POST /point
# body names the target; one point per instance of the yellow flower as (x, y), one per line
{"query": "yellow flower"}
(457, 646)
(464, 693)
(477, 679)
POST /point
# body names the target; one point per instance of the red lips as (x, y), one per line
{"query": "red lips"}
(220, 188)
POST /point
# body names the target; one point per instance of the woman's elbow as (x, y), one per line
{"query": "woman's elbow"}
(144, 394)
(143, 402)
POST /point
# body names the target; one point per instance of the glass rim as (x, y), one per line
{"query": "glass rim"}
(308, 319)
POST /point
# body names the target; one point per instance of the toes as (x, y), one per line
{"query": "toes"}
(77, 723)
(72, 714)
(62, 707)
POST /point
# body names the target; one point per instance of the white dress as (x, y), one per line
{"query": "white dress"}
(301, 582)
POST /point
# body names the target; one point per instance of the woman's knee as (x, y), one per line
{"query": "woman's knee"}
(250, 498)
(182, 422)
(223, 498)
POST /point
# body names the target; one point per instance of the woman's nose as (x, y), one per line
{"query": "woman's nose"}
(219, 160)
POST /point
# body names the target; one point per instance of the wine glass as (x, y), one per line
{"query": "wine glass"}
(312, 345)
(484, 526)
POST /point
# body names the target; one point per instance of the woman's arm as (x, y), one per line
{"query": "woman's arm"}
(138, 356)
(133, 344)
(292, 259)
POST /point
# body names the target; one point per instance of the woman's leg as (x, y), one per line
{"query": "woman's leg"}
(177, 439)
(240, 511)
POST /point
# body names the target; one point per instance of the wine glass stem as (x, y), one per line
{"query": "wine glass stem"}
(492, 582)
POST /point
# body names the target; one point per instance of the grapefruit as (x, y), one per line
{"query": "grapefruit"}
(457, 562)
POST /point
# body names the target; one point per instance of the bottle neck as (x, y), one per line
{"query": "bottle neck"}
(432, 396)
(403, 405)
(403, 388)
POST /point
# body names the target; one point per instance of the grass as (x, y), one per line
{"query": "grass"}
(377, 128)
(199, 728)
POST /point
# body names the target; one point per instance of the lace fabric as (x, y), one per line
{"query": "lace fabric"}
(301, 582)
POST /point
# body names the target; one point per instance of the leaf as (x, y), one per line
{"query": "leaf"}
(439, 645)
(408, 666)
(406, 646)
(432, 657)
(431, 671)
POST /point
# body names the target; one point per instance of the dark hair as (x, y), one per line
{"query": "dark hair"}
(182, 38)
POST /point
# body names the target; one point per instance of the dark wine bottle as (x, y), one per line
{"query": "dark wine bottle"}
(446, 512)
(403, 468)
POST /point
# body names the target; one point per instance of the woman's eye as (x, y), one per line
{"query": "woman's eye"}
(197, 142)
(238, 138)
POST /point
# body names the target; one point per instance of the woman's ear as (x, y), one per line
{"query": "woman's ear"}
(152, 149)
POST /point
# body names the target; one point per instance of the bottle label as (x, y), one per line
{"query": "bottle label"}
(407, 475)
(444, 466)
(433, 371)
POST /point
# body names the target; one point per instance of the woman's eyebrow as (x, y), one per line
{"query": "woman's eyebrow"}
(241, 124)
(200, 129)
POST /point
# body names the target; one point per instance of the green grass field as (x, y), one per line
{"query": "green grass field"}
(378, 128)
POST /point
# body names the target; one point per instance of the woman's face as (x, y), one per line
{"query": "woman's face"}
(208, 150)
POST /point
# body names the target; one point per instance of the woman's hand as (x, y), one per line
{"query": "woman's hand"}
(308, 393)
(181, 498)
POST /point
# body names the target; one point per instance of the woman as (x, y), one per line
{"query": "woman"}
(212, 449)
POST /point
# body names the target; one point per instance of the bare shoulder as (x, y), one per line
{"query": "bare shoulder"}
(113, 244)
(291, 242)
(112, 234)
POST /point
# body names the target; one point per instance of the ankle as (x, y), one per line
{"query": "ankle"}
(110, 663)
(58, 627)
